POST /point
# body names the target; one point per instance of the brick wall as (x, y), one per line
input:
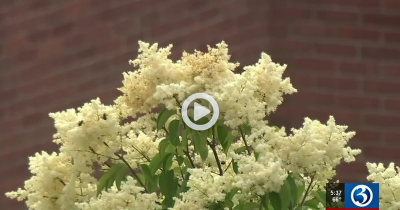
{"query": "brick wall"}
(343, 57)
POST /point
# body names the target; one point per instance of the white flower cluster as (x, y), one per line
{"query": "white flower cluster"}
(47, 188)
(129, 197)
(96, 135)
(316, 148)
(389, 184)
(205, 188)
(246, 97)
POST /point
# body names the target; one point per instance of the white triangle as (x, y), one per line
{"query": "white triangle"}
(200, 111)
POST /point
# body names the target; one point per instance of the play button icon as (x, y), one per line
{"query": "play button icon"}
(200, 111)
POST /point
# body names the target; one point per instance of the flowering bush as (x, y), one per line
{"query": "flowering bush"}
(124, 156)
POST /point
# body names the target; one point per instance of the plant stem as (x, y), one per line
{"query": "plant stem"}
(307, 191)
(133, 171)
(212, 145)
(190, 159)
(228, 166)
(244, 139)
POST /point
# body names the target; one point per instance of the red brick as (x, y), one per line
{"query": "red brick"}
(357, 33)
(392, 139)
(382, 19)
(251, 18)
(359, 4)
(392, 4)
(312, 29)
(359, 167)
(288, 45)
(63, 29)
(337, 16)
(335, 49)
(301, 80)
(291, 13)
(354, 68)
(365, 137)
(323, 65)
(380, 53)
(383, 87)
(392, 37)
(337, 84)
(342, 117)
(306, 97)
(246, 35)
(392, 71)
(40, 4)
(381, 120)
(358, 102)
(382, 153)
(277, 29)
(392, 104)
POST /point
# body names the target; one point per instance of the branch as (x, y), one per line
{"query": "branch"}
(228, 166)
(307, 191)
(133, 171)
(190, 159)
(212, 145)
(244, 139)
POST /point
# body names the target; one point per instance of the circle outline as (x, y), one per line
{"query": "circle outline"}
(214, 105)
(365, 204)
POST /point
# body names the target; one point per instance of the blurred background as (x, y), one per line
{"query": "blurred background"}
(343, 56)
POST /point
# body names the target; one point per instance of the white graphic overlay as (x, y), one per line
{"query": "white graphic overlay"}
(200, 111)
(366, 201)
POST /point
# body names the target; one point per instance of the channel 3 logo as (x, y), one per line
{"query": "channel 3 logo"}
(362, 195)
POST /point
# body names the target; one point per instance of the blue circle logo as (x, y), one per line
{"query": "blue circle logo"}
(361, 195)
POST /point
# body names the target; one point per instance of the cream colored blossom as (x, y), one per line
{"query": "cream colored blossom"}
(389, 184)
(125, 132)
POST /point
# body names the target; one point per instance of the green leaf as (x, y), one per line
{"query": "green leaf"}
(179, 159)
(200, 143)
(284, 194)
(110, 182)
(162, 146)
(142, 178)
(231, 194)
(264, 201)
(246, 129)
(184, 187)
(293, 190)
(121, 175)
(240, 150)
(203, 145)
(163, 117)
(222, 133)
(167, 161)
(246, 206)
(320, 196)
(170, 149)
(227, 142)
(110, 174)
(187, 162)
(168, 186)
(185, 134)
(156, 163)
(174, 132)
(275, 200)
(146, 172)
(152, 184)
(300, 190)
(313, 203)
(179, 151)
(235, 167)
